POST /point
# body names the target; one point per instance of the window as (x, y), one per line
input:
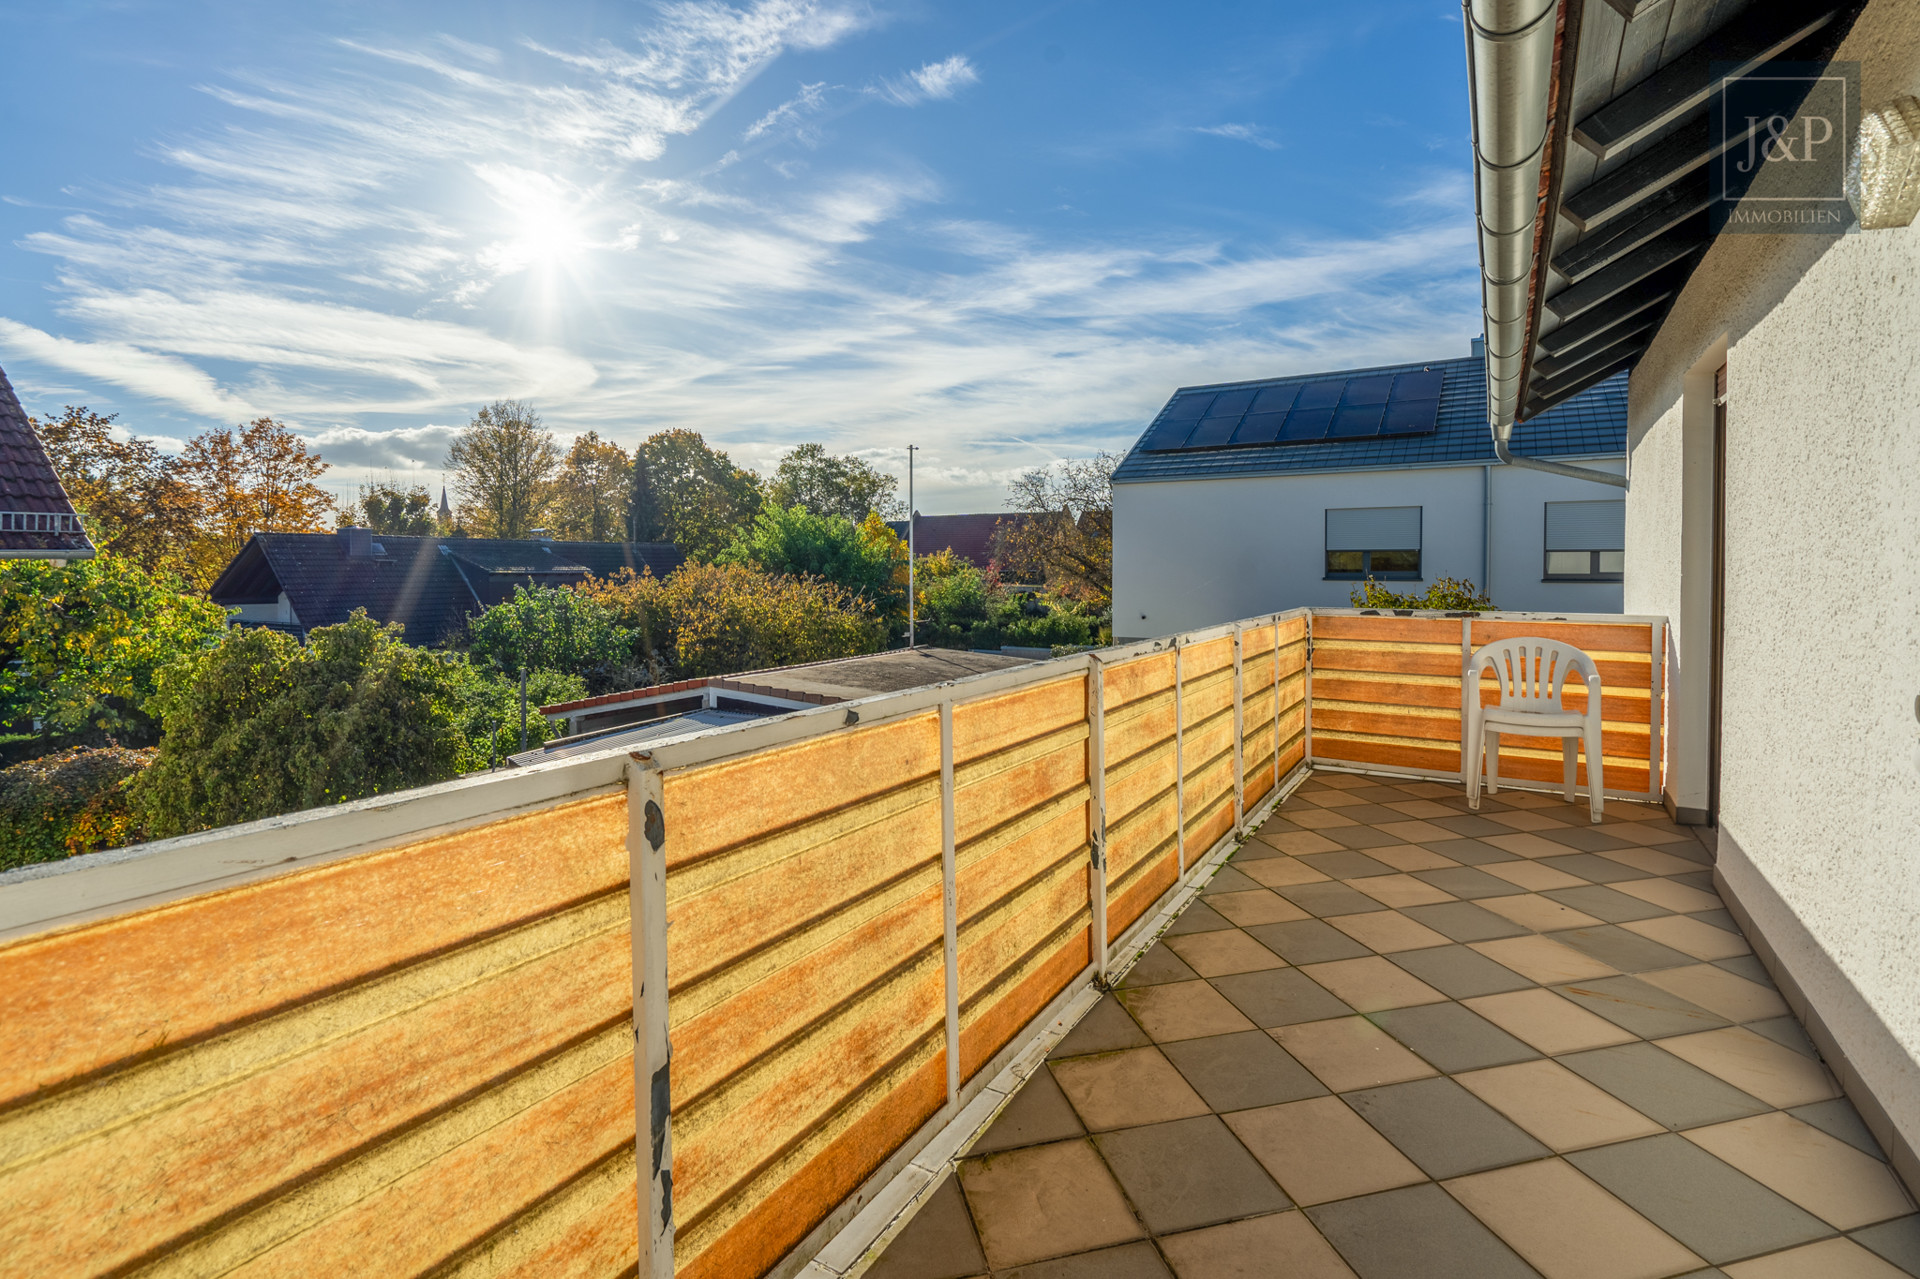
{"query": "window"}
(1585, 541)
(1374, 541)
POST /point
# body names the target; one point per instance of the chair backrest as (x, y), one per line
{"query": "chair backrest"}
(1531, 671)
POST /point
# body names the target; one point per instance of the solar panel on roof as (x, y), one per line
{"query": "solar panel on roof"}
(1354, 420)
(1367, 390)
(1364, 407)
(1213, 432)
(1230, 403)
(1320, 395)
(1167, 435)
(1189, 408)
(1259, 428)
(1424, 385)
(1275, 399)
(1306, 424)
(1411, 417)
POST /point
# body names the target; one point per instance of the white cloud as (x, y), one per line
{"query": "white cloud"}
(940, 79)
(1240, 133)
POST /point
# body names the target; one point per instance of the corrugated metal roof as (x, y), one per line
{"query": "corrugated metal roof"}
(1594, 422)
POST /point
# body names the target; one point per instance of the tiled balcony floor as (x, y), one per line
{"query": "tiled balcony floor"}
(1401, 1041)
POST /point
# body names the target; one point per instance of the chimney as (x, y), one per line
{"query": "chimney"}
(1477, 348)
(357, 543)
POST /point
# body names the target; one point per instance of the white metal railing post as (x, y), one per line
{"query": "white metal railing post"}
(1467, 768)
(1306, 695)
(1097, 812)
(949, 903)
(1179, 757)
(1276, 699)
(1239, 733)
(652, 1053)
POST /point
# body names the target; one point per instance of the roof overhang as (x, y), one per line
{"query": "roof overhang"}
(1592, 136)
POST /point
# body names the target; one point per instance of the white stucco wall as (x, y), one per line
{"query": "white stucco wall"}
(1190, 553)
(1820, 783)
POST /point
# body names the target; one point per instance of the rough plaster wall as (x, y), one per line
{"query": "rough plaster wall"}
(1197, 552)
(1821, 786)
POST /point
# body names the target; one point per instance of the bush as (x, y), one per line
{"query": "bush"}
(488, 711)
(262, 725)
(797, 543)
(71, 802)
(551, 628)
(1446, 594)
(961, 607)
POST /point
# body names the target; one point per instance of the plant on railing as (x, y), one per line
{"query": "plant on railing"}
(67, 803)
(1447, 594)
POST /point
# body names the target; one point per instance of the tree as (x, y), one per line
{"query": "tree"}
(826, 485)
(553, 628)
(503, 466)
(1070, 534)
(81, 646)
(830, 547)
(387, 508)
(262, 725)
(71, 802)
(703, 499)
(132, 497)
(255, 478)
(590, 494)
(644, 523)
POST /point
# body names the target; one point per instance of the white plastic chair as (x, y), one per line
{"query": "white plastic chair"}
(1532, 673)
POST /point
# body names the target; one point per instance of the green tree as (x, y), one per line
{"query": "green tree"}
(702, 498)
(827, 485)
(550, 628)
(487, 711)
(794, 541)
(503, 466)
(81, 645)
(133, 498)
(261, 725)
(387, 508)
(644, 522)
(254, 478)
(589, 502)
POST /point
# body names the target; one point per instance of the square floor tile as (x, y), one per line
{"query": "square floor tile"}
(1256, 906)
(1226, 879)
(1668, 895)
(1651, 860)
(1319, 1150)
(1419, 1231)
(1700, 879)
(1415, 831)
(1331, 898)
(1280, 997)
(1346, 865)
(1187, 1174)
(1788, 1032)
(1410, 857)
(1541, 914)
(1453, 1037)
(1182, 1010)
(1318, 819)
(1645, 1009)
(1829, 1178)
(1720, 919)
(938, 1243)
(1351, 1052)
(1897, 1241)
(1129, 1261)
(1038, 1113)
(1306, 941)
(1460, 973)
(1240, 1071)
(1548, 1022)
(1472, 852)
(1838, 1118)
(1531, 847)
(1360, 838)
(1610, 904)
(1719, 991)
(1443, 1128)
(1327, 797)
(1588, 839)
(1829, 1259)
(1279, 872)
(1297, 842)
(1281, 1243)
(1466, 882)
(1373, 815)
(1568, 1227)
(1156, 968)
(1372, 984)
(1776, 1075)
(1555, 1106)
(1717, 1211)
(1593, 868)
(1661, 1086)
(1747, 966)
(1464, 921)
(1387, 931)
(1424, 809)
(1544, 960)
(1197, 918)
(1527, 820)
(1614, 945)
(1401, 890)
(1044, 1201)
(1532, 876)
(1471, 824)
(1123, 1089)
(1106, 1028)
(1692, 937)
(1217, 954)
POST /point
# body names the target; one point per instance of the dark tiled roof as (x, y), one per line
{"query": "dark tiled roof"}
(29, 483)
(971, 537)
(430, 585)
(1593, 422)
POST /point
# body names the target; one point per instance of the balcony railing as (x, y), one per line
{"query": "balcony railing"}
(401, 1034)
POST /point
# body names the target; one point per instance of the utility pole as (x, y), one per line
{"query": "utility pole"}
(911, 521)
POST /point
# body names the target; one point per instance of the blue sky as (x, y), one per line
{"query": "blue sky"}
(1002, 232)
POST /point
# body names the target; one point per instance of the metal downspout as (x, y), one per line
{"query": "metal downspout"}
(1510, 52)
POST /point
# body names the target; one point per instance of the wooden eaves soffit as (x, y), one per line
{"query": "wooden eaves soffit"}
(1624, 185)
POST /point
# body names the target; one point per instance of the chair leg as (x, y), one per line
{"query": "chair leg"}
(1470, 764)
(1596, 773)
(1493, 763)
(1569, 747)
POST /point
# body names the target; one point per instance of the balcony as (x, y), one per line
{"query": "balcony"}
(740, 1004)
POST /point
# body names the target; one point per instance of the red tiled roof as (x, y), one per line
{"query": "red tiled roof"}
(28, 483)
(971, 537)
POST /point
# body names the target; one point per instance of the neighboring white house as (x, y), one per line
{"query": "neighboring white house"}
(1251, 497)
